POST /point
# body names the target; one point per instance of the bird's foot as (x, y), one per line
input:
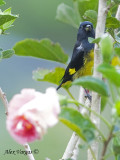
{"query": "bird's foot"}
(88, 95)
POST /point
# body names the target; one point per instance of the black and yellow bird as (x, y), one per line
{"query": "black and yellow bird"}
(82, 59)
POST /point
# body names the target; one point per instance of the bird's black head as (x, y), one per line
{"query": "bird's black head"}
(85, 30)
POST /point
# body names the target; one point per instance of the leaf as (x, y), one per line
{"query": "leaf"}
(117, 106)
(106, 46)
(2, 2)
(93, 84)
(6, 19)
(103, 103)
(91, 15)
(112, 22)
(117, 51)
(52, 76)
(110, 73)
(117, 1)
(87, 5)
(67, 15)
(44, 49)
(77, 122)
(63, 100)
(7, 54)
(92, 40)
(116, 145)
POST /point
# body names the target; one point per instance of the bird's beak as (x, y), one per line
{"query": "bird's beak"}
(88, 27)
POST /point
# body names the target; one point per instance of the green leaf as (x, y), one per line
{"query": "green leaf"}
(7, 54)
(93, 84)
(63, 100)
(116, 145)
(112, 22)
(91, 15)
(117, 106)
(6, 20)
(117, 1)
(6, 17)
(106, 46)
(52, 76)
(87, 5)
(92, 40)
(117, 51)
(77, 122)
(103, 103)
(110, 73)
(2, 2)
(67, 15)
(44, 49)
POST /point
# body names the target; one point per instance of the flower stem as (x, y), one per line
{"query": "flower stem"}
(93, 155)
(67, 90)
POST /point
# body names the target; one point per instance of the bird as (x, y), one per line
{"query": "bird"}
(82, 59)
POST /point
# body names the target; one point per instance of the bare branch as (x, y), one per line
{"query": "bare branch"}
(72, 149)
(106, 144)
(27, 148)
(71, 146)
(96, 99)
(4, 100)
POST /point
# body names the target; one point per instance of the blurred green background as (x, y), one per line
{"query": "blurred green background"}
(36, 20)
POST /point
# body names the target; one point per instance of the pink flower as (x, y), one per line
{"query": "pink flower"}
(31, 113)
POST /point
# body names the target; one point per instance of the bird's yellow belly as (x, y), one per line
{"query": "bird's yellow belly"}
(87, 67)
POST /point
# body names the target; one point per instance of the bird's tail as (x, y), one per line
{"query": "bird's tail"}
(61, 82)
(59, 86)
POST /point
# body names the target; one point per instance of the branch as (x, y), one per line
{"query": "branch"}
(27, 148)
(4, 100)
(82, 110)
(106, 144)
(96, 99)
(72, 149)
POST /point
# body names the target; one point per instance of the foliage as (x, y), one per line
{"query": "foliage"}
(108, 89)
(6, 21)
(93, 84)
(77, 122)
(44, 49)
(52, 76)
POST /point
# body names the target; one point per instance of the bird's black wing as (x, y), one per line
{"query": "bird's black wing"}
(77, 61)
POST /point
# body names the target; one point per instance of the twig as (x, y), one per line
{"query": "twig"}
(69, 93)
(96, 99)
(72, 149)
(27, 148)
(93, 154)
(82, 101)
(106, 144)
(4, 100)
